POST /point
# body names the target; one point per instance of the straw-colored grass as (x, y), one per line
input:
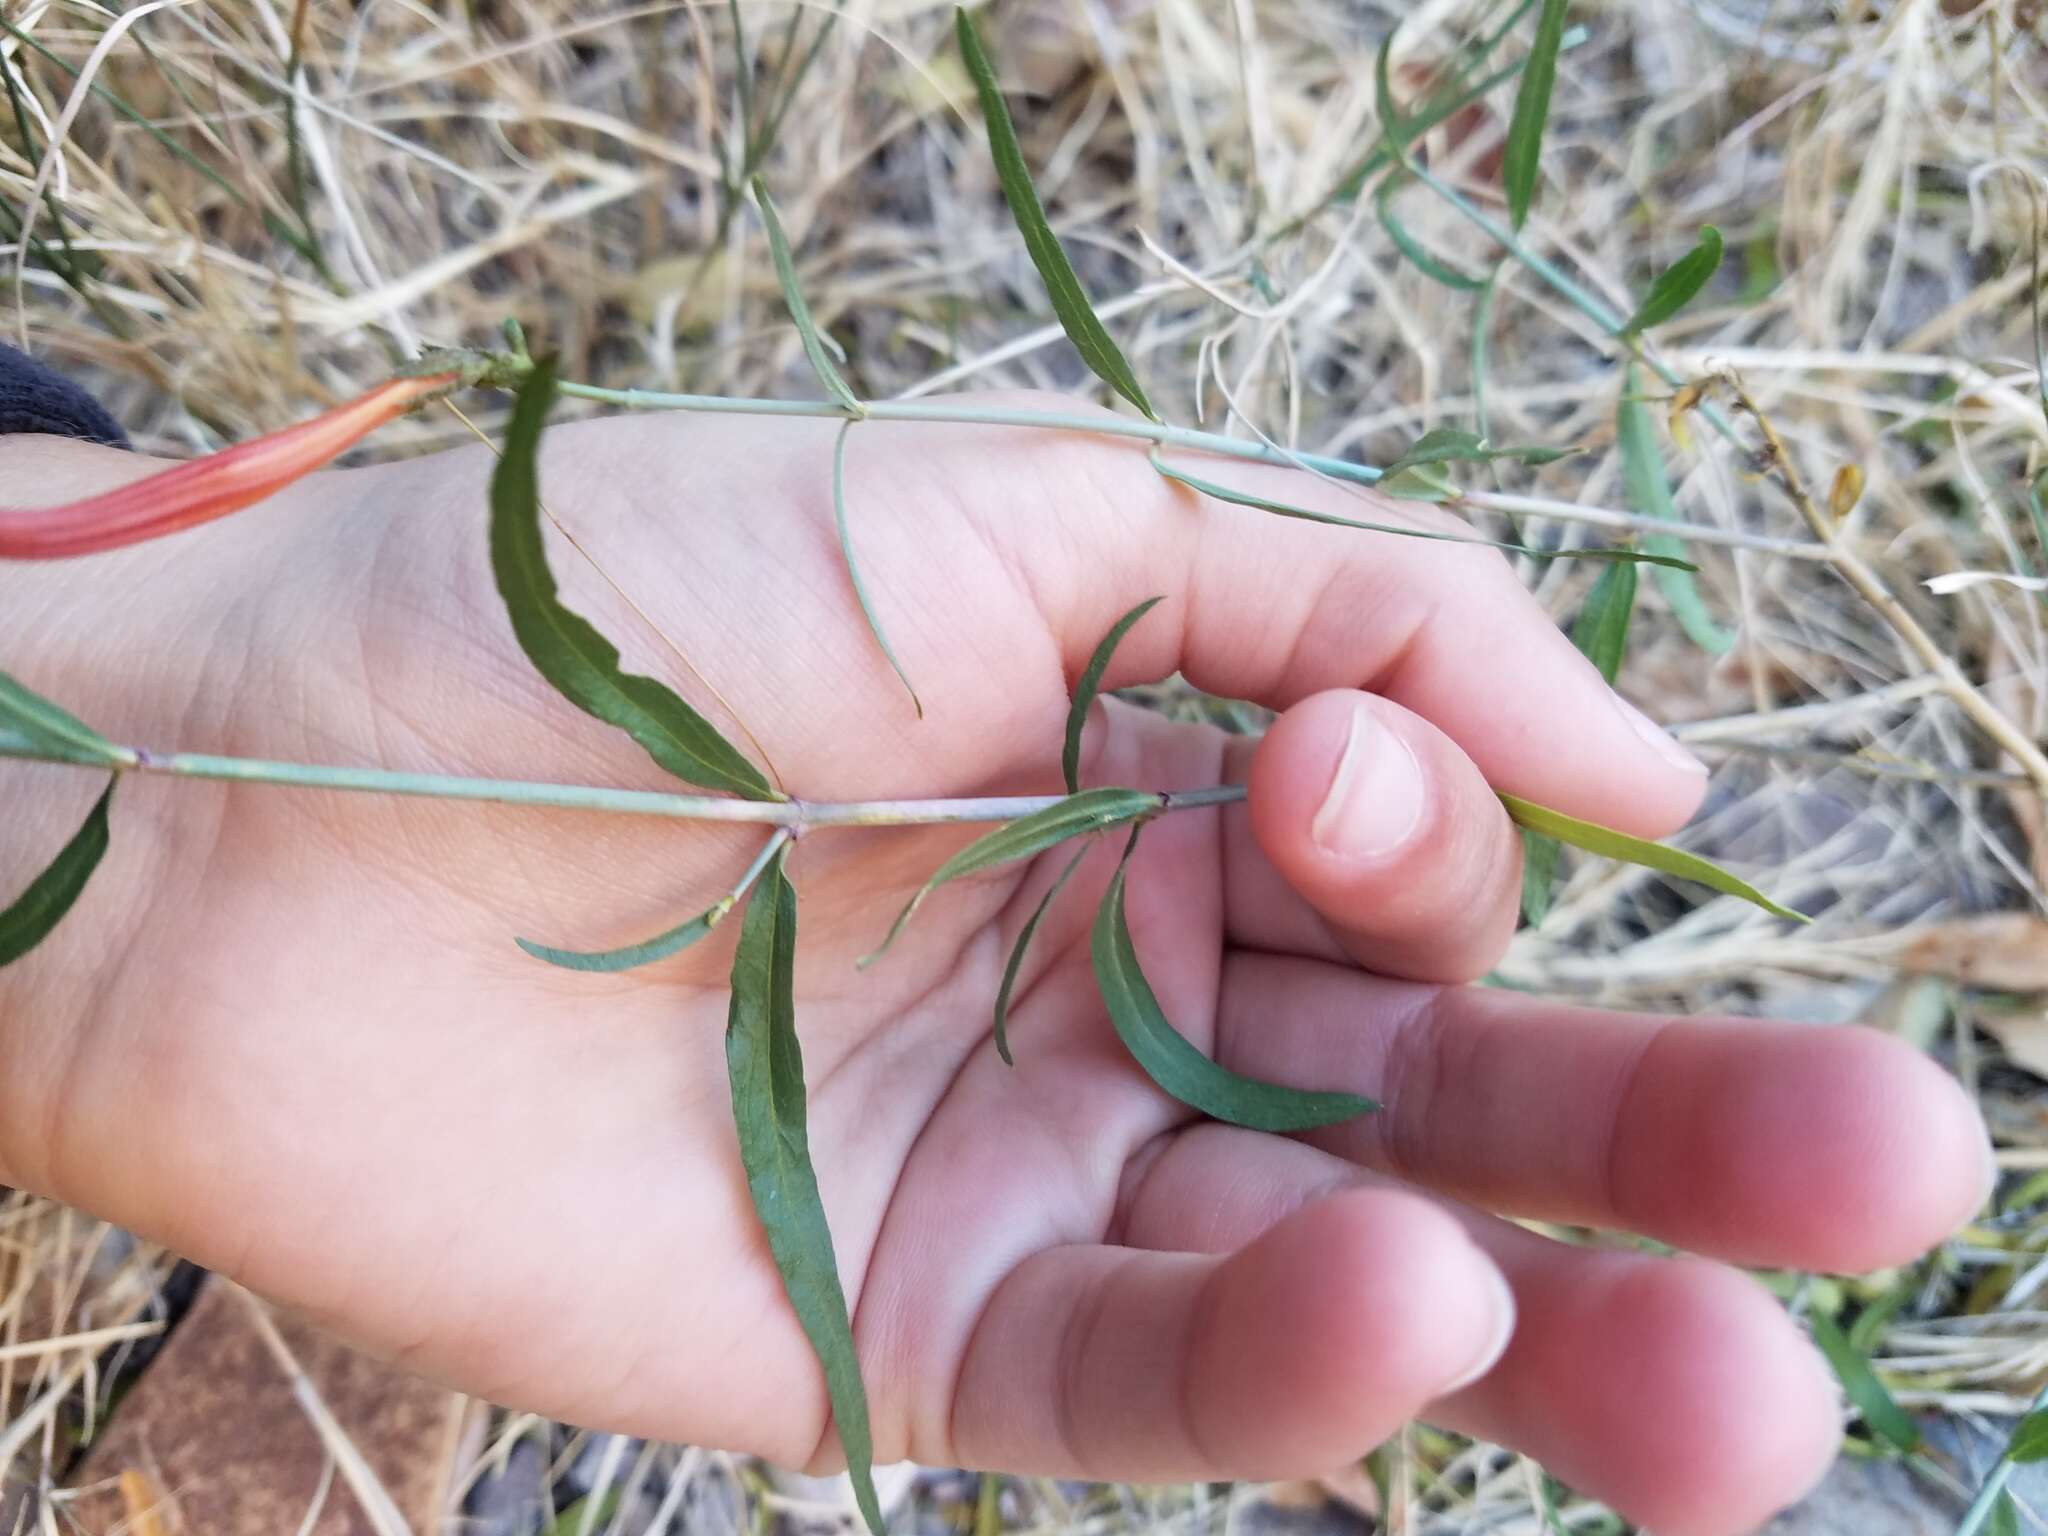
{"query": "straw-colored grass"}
(1876, 167)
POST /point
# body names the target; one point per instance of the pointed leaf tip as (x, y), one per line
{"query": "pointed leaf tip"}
(1089, 684)
(1168, 1057)
(35, 914)
(1070, 300)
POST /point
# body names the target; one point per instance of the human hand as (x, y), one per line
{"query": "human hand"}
(288, 1034)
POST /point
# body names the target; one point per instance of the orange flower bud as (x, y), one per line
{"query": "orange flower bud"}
(200, 490)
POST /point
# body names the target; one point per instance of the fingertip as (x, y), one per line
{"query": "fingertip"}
(1389, 831)
(1339, 1324)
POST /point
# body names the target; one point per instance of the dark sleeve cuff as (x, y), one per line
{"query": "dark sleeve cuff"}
(36, 398)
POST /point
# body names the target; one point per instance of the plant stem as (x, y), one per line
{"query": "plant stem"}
(797, 815)
(985, 416)
(1994, 1482)
(1854, 570)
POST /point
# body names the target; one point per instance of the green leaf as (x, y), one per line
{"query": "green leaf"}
(800, 311)
(660, 947)
(1611, 844)
(1454, 445)
(1539, 875)
(1859, 1382)
(1678, 283)
(1393, 130)
(566, 648)
(860, 589)
(1284, 509)
(1419, 256)
(1174, 1064)
(41, 907)
(2004, 1519)
(1601, 629)
(1086, 689)
(1028, 836)
(1016, 964)
(1532, 110)
(765, 1068)
(1642, 471)
(1069, 299)
(55, 730)
(2029, 1442)
(1601, 634)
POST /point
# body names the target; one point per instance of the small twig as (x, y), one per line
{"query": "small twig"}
(1853, 569)
(799, 816)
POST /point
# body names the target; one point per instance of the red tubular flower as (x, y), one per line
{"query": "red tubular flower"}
(200, 490)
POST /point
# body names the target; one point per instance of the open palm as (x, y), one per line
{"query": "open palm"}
(290, 1035)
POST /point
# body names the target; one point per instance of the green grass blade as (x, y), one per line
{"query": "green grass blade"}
(1018, 950)
(1027, 837)
(38, 910)
(765, 1068)
(1172, 1062)
(1678, 284)
(673, 942)
(1089, 685)
(52, 728)
(1601, 634)
(1642, 472)
(1069, 299)
(1394, 130)
(1285, 509)
(1610, 844)
(2004, 1519)
(1524, 151)
(566, 648)
(800, 310)
(860, 589)
(1865, 1392)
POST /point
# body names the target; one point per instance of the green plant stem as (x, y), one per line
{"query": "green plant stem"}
(1567, 289)
(1174, 437)
(1994, 1482)
(985, 416)
(798, 816)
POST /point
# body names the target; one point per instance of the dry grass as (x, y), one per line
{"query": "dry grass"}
(1875, 166)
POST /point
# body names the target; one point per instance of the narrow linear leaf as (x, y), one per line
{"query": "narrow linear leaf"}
(1069, 299)
(1539, 875)
(1077, 815)
(1642, 471)
(1284, 509)
(1601, 629)
(765, 1069)
(1601, 634)
(1519, 160)
(566, 648)
(799, 310)
(1676, 286)
(1610, 844)
(1017, 951)
(2029, 1442)
(40, 908)
(1419, 256)
(660, 947)
(1089, 685)
(1172, 1062)
(2004, 1519)
(1454, 445)
(1865, 1392)
(53, 729)
(860, 589)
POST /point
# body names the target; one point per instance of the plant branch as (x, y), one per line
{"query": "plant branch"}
(799, 816)
(1175, 437)
(1853, 569)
